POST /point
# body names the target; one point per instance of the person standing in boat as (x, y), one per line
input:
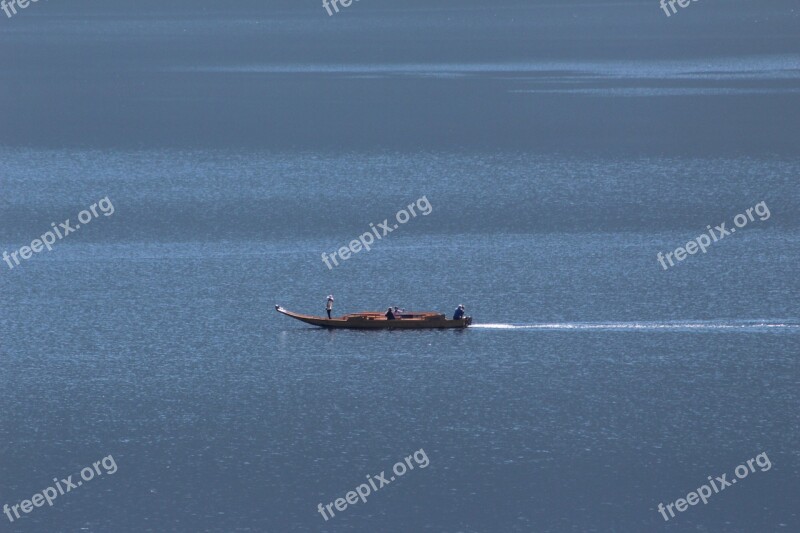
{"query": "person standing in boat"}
(459, 314)
(329, 305)
(389, 315)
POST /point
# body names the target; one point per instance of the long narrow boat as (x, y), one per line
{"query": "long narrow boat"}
(375, 320)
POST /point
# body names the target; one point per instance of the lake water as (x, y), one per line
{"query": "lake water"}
(594, 384)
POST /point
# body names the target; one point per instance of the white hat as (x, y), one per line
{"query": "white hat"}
(330, 297)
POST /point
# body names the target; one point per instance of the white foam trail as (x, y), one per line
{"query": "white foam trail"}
(630, 326)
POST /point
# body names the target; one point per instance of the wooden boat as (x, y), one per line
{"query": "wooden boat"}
(377, 320)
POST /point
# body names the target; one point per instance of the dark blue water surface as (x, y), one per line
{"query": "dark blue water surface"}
(560, 148)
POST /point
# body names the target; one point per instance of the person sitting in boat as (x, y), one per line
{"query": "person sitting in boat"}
(398, 311)
(389, 315)
(329, 305)
(459, 314)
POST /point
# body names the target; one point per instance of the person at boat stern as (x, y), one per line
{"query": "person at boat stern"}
(389, 315)
(329, 305)
(459, 314)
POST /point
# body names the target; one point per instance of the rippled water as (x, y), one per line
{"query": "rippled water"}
(239, 146)
(593, 386)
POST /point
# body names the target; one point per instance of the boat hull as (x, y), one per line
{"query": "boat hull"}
(379, 321)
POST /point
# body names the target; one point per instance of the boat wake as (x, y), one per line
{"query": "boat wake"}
(686, 325)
